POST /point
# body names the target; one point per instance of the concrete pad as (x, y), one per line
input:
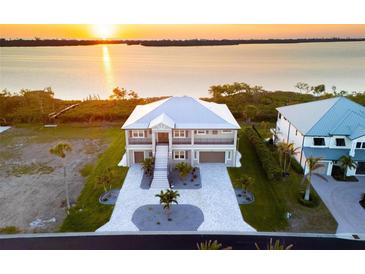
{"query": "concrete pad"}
(216, 199)
(342, 200)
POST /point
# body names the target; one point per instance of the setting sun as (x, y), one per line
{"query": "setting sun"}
(103, 31)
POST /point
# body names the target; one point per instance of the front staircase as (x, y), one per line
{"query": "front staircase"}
(161, 168)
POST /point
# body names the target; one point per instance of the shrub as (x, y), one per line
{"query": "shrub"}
(296, 166)
(9, 230)
(314, 200)
(266, 157)
(86, 170)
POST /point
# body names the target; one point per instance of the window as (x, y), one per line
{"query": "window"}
(138, 133)
(319, 142)
(279, 115)
(363, 145)
(358, 145)
(215, 132)
(340, 142)
(296, 132)
(226, 131)
(200, 132)
(179, 155)
(179, 134)
(229, 155)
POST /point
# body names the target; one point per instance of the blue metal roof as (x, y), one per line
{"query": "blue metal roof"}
(343, 118)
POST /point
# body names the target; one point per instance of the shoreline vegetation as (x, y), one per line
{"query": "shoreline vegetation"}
(249, 103)
(37, 42)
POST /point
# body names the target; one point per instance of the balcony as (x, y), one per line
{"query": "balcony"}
(140, 141)
(215, 141)
(181, 141)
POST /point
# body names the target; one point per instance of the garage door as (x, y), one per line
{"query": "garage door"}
(138, 156)
(211, 157)
(322, 170)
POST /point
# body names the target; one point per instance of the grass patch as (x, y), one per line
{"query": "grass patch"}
(9, 230)
(86, 169)
(273, 199)
(33, 168)
(88, 214)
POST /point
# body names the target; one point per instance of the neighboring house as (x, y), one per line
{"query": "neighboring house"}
(327, 129)
(181, 129)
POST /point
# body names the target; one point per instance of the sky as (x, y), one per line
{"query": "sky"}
(180, 31)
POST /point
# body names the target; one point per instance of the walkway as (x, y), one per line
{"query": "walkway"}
(216, 199)
(342, 200)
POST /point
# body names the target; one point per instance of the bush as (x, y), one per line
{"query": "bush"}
(314, 200)
(267, 159)
(9, 230)
(86, 170)
(296, 166)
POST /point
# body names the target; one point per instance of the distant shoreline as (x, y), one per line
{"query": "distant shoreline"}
(166, 43)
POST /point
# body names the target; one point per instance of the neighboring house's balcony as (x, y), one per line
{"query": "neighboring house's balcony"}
(215, 141)
(140, 141)
(181, 141)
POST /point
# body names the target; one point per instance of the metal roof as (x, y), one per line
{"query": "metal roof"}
(184, 112)
(334, 116)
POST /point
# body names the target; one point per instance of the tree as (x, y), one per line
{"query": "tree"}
(105, 179)
(118, 93)
(246, 182)
(167, 198)
(133, 95)
(250, 112)
(318, 90)
(291, 152)
(60, 151)
(184, 169)
(147, 166)
(303, 87)
(312, 163)
(346, 163)
(286, 153)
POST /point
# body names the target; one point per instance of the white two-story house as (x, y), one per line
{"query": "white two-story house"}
(327, 129)
(180, 129)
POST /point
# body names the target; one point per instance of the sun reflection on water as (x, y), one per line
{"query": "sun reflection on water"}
(108, 70)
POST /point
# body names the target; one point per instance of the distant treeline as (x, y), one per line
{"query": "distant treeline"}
(246, 102)
(164, 43)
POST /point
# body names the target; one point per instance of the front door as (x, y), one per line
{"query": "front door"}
(138, 157)
(162, 138)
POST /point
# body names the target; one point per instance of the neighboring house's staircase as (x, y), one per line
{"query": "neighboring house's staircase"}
(161, 167)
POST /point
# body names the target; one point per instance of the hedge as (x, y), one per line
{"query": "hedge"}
(296, 166)
(268, 162)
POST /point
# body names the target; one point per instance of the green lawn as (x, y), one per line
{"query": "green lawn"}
(89, 214)
(274, 199)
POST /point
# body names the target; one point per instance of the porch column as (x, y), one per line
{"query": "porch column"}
(352, 150)
(192, 157)
(153, 143)
(192, 137)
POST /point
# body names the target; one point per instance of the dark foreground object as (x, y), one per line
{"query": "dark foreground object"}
(176, 241)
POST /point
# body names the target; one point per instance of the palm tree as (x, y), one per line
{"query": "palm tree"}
(167, 199)
(211, 245)
(291, 152)
(147, 166)
(281, 147)
(184, 169)
(275, 246)
(60, 151)
(246, 182)
(346, 162)
(312, 163)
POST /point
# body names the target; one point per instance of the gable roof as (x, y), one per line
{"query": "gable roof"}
(334, 116)
(182, 112)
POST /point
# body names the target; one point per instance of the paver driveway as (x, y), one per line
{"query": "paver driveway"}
(216, 199)
(342, 200)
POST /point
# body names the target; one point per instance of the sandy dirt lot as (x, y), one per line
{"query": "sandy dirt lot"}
(31, 179)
